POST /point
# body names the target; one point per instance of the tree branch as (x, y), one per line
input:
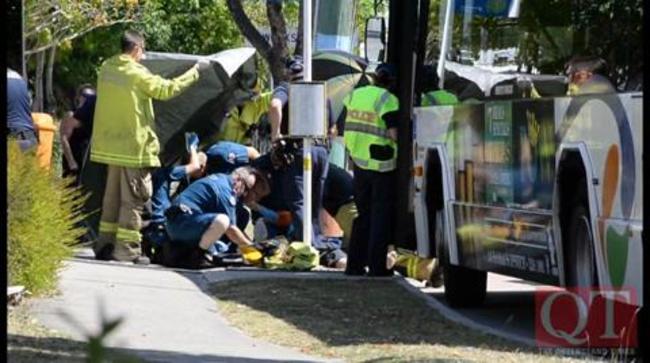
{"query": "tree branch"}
(248, 29)
(56, 42)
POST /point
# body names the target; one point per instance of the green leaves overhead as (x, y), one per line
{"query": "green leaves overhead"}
(51, 22)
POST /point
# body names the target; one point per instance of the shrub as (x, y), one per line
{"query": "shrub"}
(42, 221)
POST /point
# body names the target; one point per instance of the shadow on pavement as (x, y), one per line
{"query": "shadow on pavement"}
(511, 311)
(40, 350)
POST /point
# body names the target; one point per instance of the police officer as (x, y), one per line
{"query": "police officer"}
(435, 96)
(370, 134)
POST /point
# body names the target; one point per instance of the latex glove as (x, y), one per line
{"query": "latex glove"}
(203, 64)
(191, 141)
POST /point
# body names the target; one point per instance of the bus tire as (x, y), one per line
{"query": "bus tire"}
(581, 264)
(464, 287)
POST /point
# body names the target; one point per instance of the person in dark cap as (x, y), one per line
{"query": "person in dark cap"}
(284, 165)
(433, 94)
(370, 134)
(278, 111)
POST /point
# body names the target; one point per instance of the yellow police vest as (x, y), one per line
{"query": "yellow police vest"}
(123, 128)
(364, 126)
(438, 98)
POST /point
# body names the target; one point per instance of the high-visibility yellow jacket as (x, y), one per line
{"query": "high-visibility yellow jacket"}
(438, 98)
(239, 120)
(364, 126)
(123, 128)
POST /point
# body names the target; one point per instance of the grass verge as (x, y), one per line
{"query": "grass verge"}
(29, 341)
(358, 321)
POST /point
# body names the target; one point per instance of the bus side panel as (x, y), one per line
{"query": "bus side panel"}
(505, 168)
(512, 242)
(610, 125)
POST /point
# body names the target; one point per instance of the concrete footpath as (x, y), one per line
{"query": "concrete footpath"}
(167, 315)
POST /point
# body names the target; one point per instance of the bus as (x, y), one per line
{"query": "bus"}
(530, 175)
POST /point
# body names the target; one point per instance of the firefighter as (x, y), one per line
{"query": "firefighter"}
(124, 138)
(370, 135)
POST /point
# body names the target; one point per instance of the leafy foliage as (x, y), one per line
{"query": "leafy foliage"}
(54, 22)
(42, 219)
(78, 64)
(194, 27)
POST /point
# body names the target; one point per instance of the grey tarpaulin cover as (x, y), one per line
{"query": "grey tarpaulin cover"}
(201, 108)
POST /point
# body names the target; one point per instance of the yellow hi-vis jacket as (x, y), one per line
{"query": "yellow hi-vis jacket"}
(364, 126)
(238, 122)
(123, 127)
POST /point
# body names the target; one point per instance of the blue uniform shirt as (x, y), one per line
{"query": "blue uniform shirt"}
(161, 198)
(19, 114)
(226, 156)
(212, 194)
(287, 193)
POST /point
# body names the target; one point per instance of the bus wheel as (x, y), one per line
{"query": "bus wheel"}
(464, 287)
(581, 265)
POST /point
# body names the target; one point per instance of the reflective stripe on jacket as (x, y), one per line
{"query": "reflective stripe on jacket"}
(124, 131)
(364, 126)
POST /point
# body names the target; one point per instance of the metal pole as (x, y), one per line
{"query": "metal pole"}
(446, 42)
(306, 148)
(307, 39)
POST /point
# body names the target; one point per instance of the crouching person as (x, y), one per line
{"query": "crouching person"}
(206, 211)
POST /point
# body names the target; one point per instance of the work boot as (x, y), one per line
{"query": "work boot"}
(436, 279)
(251, 255)
(105, 253)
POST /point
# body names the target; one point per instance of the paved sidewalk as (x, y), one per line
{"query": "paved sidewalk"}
(167, 316)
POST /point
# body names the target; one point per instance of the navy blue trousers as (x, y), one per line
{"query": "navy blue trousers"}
(374, 195)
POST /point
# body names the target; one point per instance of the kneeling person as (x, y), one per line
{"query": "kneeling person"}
(206, 210)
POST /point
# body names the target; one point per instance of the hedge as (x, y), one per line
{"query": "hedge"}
(43, 215)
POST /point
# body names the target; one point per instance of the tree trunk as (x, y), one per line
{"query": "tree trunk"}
(279, 50)
(50, 101)
(37, 106)
(248, 29)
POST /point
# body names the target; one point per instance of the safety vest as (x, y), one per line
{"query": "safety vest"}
(364, 126)
(123, 128)
(438, 98)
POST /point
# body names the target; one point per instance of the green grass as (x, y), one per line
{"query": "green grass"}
(41, 217)
(358, 321)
